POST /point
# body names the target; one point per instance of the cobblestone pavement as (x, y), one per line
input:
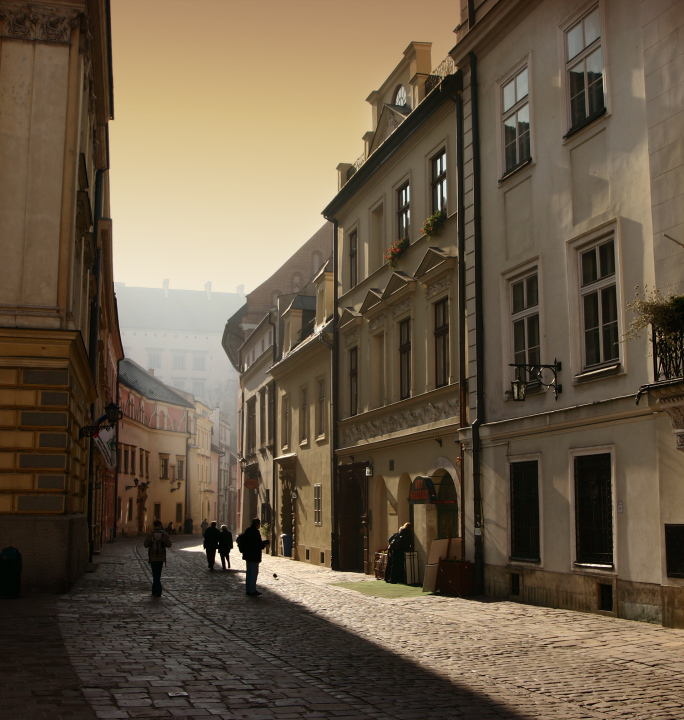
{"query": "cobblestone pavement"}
(309, 649)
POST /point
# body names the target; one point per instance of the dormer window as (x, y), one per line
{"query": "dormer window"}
(400, 96)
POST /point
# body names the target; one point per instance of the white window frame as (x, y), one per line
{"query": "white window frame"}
(405, 180)
(318, 504)
(565, 64)
(584, 568)
(523, 64)
(528, 311)
(508, 279)
(304, 415)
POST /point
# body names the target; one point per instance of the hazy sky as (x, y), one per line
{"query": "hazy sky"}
(230, 119)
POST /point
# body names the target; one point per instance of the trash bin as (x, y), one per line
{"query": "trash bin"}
(10, 572)
(286, 544)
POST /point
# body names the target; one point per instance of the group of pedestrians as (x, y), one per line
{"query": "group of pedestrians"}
(251, 545)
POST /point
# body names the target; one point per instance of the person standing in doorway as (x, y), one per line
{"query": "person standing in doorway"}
(225, 546)
(252, 545)
(212, 536)
(157, 540)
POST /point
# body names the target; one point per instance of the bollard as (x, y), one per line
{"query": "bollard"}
(10, 572)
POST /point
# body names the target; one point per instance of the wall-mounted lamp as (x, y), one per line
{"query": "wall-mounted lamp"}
(137, 484)
(112, 415)
(525, 374)
(294, 495)
(369, 471)
(178, 487)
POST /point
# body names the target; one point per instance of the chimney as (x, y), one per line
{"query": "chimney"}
(241, 290)
(166, 288)
(207, 290)
(151, 371)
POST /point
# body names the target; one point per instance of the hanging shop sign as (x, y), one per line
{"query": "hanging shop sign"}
(422, 491)
(251, 483)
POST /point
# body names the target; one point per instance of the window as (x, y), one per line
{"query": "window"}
(154, 359)
(199, 362)
(525, 320)
(598, 301)
(584, 69)
(439, 181)
(180, 466)
(141, 466)
(405, 359)
(516, 119)
(164, 467)
(353, 259)
(147, 465)
(262, 416)
(441, 342)
(320, 414)
(271, 413)
(353, 381)
(403, 211)
(178, 361)
(198, 388)
(133, 453)
(594, 510)
(251, 426)
(129, 510)
(286, 421)
(304, 415)
(179, 513)
(125, 460)
(318, 505)
(157, 511)
(524, 511)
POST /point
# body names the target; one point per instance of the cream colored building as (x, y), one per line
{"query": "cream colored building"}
(303, 445)
(152, 452)
(398, 371)
(59, 341)
(572, 177)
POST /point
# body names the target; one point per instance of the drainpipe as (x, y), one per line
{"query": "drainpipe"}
(479, 335)
(334, 369)
(274, 467)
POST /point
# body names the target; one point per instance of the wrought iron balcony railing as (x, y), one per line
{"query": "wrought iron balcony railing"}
(668, 354)
(446, 67)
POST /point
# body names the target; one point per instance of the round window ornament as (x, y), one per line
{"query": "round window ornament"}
(400, 97)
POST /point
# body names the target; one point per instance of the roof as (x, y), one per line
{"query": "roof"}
(197, 311)
(135, 377)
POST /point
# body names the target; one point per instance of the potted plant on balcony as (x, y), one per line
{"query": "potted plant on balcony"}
(434, 223)
(665, 315)
(396, 250)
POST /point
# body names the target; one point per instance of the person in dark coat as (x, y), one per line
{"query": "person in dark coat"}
(212, 536)
(157, 540)
(225, 545)
(253, 544)
(399, 544)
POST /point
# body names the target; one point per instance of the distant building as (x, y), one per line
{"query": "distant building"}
(177, 334)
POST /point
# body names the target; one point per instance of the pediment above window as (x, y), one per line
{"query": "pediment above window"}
(434, 264)
(390, 118)
(372, 300)
(349, 319)
(399, 286)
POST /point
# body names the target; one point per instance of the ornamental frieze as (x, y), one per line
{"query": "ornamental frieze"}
(402, 307)
(351, 338)
(438, 286)
(377, 323)
(50, 25)
(398, 421)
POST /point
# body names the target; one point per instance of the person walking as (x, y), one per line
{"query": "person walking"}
(157, 540)
(225, 545)
(204, 525)
(252, 545)
(211, 542)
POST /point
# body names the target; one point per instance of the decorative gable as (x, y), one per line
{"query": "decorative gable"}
(399, 285)
(435, 269)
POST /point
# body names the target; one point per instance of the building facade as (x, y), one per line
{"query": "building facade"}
(59, 339)
(569, 188)
(398, 368)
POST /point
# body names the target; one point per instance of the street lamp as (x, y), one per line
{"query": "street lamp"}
(112, 415)
(534, 373)
(178, 487)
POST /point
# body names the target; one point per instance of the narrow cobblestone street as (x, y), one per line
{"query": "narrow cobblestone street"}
(310, 649)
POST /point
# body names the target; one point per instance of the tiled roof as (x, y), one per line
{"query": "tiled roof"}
(135, 377)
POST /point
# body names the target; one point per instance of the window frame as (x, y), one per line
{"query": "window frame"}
(441, 336)
(523, 65)
(403, 199)
(524, 315)
(568, 63)
(353, 258)
(304, 415)
(262, 417)
(164, 466)
(321, 425)
(438, 180)
(286, 415)
(583, 563)
(353, 360)
(404, 357)
(318, 504)
(532, 557)
(250, 426)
